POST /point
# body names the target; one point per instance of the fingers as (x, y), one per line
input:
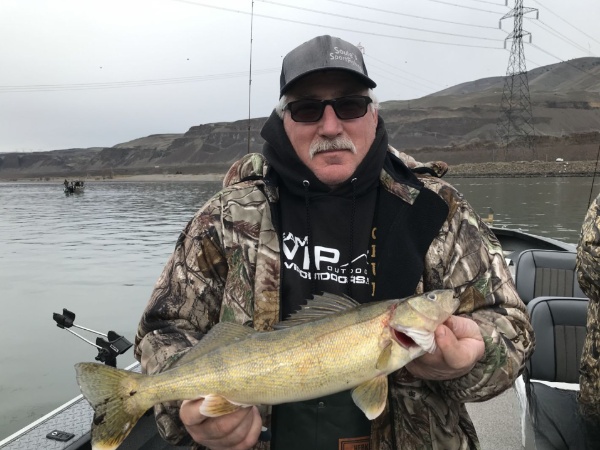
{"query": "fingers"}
(463, 327)
(459, 346)
(190, 413)
(460, 342)
(236, 431)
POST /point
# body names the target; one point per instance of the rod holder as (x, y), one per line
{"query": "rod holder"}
(109, 346)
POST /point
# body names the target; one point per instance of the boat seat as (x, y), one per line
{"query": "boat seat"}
(540, 273)
(551, 379)
(559, 324)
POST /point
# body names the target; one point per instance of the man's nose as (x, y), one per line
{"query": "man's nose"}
(330, 124)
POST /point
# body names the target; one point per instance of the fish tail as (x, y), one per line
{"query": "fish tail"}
(116, 399)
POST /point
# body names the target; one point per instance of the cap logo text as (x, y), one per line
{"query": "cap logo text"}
(344, 55)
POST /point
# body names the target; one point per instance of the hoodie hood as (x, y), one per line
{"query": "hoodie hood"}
(293, 172)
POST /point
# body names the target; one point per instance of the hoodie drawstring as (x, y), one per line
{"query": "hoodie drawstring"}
(351, 252)
(311, 269)
(306, 185)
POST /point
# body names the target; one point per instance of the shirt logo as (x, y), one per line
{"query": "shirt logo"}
(327, 264)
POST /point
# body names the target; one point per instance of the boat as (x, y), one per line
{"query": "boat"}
(68, 426)
(73, 187)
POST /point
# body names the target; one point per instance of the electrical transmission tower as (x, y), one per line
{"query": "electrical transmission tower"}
(515, 124)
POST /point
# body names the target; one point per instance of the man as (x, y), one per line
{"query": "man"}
(588, 275)
(330, 207)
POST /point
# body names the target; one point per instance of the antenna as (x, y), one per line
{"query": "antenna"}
(515, 124)
(250, 74)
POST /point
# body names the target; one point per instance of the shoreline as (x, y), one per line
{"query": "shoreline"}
(513, 169)
(158, 177)
(523, 169)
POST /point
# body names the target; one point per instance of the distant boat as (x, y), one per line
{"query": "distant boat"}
(74, 187)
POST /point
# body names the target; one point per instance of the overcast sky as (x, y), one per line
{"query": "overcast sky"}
(91, 73)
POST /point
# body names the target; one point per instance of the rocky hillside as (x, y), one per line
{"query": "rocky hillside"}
(457, 125)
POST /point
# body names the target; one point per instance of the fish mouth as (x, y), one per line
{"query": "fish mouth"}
(412, 337)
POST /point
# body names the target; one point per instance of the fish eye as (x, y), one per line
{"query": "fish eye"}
(431, 296)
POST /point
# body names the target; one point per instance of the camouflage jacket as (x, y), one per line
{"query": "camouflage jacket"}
(225, 267)
(588, 275)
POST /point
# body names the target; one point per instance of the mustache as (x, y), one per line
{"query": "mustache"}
(322, 145)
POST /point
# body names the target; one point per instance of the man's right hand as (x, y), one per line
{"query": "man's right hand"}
(236, 431)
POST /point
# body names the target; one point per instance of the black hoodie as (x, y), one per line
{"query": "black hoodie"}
(325, 248)
(325, 232)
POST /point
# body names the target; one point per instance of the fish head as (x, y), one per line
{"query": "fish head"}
(414, 319)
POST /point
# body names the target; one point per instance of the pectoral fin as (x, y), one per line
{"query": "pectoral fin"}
(384, 357)
(215, 406)
(371, 396)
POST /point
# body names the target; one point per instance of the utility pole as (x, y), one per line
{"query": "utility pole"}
(515, 124)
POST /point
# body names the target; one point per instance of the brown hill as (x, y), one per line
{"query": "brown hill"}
(457, 125)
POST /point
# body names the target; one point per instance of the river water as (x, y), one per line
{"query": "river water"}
(99, 253)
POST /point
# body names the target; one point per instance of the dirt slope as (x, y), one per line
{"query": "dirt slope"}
(457, 125)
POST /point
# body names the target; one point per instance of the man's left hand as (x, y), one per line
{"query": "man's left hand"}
(459, 347)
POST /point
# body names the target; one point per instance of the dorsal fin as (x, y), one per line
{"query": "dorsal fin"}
(319, 307)
(221, 334)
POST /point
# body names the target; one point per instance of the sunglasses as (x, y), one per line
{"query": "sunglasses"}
(345, 108)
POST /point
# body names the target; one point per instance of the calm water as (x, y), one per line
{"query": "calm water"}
(98, 254)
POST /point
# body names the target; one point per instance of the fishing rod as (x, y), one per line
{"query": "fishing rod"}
(108, 349)
(594, 177)
(250, 75)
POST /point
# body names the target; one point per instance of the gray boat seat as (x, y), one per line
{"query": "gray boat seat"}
(541, 273)
(552, 376)
(559, 324)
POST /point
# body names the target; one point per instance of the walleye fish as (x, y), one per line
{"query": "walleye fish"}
(331, 345)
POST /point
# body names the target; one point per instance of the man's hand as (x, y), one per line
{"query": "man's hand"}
(236, 431)
(459, 347)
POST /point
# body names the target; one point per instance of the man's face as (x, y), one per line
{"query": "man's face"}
(330, 166)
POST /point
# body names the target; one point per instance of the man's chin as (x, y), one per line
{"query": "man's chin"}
(334, 175)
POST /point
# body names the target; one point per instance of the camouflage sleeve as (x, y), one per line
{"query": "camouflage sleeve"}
(588, 275)
(588, 252)
(183, 306)
(468, 258)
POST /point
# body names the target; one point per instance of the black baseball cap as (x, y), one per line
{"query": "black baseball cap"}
(319, 54)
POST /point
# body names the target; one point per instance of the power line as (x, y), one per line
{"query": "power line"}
(489, 3)
(363, 20)
(387, 11)
(531, 61)
(396, 76)
(566, 39)
(593, 75)
(392, 77)
(419, 77)
(465, 7)
(127, 84)
(565, 21)
(202, 78)
(331, 27)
